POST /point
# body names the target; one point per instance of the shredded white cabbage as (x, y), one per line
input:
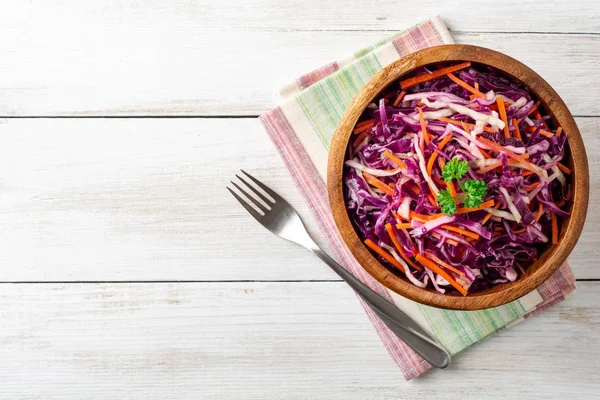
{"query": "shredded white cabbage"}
(368, 186)
(404, 209)
(494, 121)
(511, 205)
(421, 158)
(407, 272)
(500, 214)
(559, 175)
(375, 172)
(442, 113)
(520, 103)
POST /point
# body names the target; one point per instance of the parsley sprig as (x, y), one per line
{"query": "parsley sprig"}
(474, 191)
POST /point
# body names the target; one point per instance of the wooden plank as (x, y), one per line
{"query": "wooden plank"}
(274, 15)
(145, 199)
(149, 58)
(266, 340)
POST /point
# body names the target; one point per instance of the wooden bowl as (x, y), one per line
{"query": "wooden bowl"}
(549, 261)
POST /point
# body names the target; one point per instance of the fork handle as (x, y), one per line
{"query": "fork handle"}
(398, 322)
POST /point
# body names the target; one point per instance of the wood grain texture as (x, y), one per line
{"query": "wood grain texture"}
(164, 58)
(569, 230)
(277, 15)
(266, 340)
(145, 199)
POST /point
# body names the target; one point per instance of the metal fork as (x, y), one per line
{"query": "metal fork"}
(278, 216)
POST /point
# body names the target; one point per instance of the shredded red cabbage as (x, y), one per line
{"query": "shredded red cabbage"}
(394, 182)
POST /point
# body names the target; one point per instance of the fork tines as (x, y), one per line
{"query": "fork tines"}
(252, 204)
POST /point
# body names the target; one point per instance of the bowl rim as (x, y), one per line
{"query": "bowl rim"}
(550, 260)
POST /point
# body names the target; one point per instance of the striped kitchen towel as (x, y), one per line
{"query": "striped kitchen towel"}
(301, 129)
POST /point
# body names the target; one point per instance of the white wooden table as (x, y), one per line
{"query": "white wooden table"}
(127, 269)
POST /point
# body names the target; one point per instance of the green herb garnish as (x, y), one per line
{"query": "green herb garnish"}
(455, 169)
(446, 202)
(474, 191)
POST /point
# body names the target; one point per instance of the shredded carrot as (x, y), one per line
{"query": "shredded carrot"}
(378, 184)
(538, 116)
(495, 106)
(433, 267)
(359, 139)
(444, 264)
(435, 154)
(399, 98)
(430, 163)
(527, 173)
(425, 135)
(465, 85)
(431, 199)
(563, 168)
(451, 188)
(560, 203)
(363, 128)
(444, 141)
(489, 215)
(542, 132)
(404, 225)
(398, 217)
(476, 85)
(509, 153)
(461, 231)
(465, 127)
(419, 217)
(449, 241)
(486, 218)
(489, 167)
(554, 227)
(398, 247)
(535, 106)
(533, 186)
(410, 82)
(519, 230)
(395, 159)
(485, 153)
(424, 217)
(388, 257)
(502, 111)
(515, 123)
(539, 213)
(463, 210)
(414, 187)
(365, 122)
(438, 180)
(559, 131)
(453, 122)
